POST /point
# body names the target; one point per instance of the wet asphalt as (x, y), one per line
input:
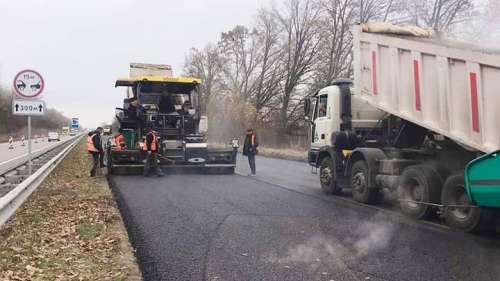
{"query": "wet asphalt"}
(279, 226)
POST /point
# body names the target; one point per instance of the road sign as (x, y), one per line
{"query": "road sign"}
(75, 123)
(28, 107)
(28, 84)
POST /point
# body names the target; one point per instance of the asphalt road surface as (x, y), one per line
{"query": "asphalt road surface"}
(19, 150)
(279, 226)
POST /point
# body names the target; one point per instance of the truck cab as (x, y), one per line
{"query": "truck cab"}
(336, 115)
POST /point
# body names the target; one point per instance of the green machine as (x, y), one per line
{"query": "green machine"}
(471, 199)
(482, 179)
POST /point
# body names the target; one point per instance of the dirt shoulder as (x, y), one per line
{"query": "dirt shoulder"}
(69, 229)
(288, 153)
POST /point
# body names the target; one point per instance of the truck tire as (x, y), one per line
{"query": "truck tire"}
(327, 177)
(358, 179)
(419, 183)
(477, 220)
(228, 170)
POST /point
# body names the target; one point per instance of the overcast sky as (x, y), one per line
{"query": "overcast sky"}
(81, 47)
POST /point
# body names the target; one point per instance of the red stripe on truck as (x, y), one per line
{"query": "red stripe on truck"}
(374, 72)
(473, 102)
(416, 78)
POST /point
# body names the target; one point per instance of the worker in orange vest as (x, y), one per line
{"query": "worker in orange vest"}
(151, 149)
(250, 150)
(120, 141)
(94, 147)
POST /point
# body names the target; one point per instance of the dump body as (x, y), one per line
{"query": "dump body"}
(450, 90)
(147, 69)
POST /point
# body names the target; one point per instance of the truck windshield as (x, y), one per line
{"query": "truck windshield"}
(322, 105)
(155, 93)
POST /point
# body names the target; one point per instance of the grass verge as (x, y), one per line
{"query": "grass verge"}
(69, 229)
(298, 154)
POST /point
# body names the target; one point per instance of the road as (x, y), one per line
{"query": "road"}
(7, 154)
(279, 226)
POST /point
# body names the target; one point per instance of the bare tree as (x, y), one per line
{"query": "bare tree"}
(300, 41)
(240, 50)
(483, 29)
(373, 10)
(440, 15)
(336, 42)
(267, 84)
(205, 64)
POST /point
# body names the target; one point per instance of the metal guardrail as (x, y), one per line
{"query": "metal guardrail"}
(11, 201)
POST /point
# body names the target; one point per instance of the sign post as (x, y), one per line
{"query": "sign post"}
(28, 85)
(29, 145)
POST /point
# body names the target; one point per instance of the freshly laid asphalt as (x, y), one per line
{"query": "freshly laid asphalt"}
(279, 226)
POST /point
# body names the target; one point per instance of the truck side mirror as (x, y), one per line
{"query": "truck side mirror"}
(307, 106)
(308, 120)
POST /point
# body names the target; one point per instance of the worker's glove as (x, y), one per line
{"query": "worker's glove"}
(149, 152)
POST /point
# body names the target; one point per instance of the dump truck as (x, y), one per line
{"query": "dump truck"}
(419, 125)
(170, 106)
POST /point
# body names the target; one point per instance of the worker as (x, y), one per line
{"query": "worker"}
(94, 147)
(151, 149)
(134, 112)
(250, 149)
(322, 110)
(120, 143)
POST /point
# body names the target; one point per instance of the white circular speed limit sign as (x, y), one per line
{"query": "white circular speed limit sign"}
(28, 84)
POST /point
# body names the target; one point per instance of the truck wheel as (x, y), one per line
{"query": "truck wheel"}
(327, 177)
(358, 179)
(419, 183)
(472, 219)
(228, 170)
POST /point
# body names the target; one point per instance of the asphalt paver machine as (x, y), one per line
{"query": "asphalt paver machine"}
(171, 107)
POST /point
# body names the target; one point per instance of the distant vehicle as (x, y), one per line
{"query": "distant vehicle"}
(65, 130)
(54, 136)
(73, 132)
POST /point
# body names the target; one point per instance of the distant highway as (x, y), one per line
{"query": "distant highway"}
(19, 150)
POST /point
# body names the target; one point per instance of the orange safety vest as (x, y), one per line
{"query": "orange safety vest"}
(119, 143)
(153, 144)
(90, 144)
(120, 140)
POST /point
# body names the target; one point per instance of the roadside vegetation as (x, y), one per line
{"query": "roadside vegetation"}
(16, 126)
(257, 75)
(69, 229)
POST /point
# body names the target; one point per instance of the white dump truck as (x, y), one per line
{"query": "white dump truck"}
(419, 112)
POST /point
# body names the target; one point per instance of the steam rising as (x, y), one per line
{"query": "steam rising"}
(368, 237)
(373, 236)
